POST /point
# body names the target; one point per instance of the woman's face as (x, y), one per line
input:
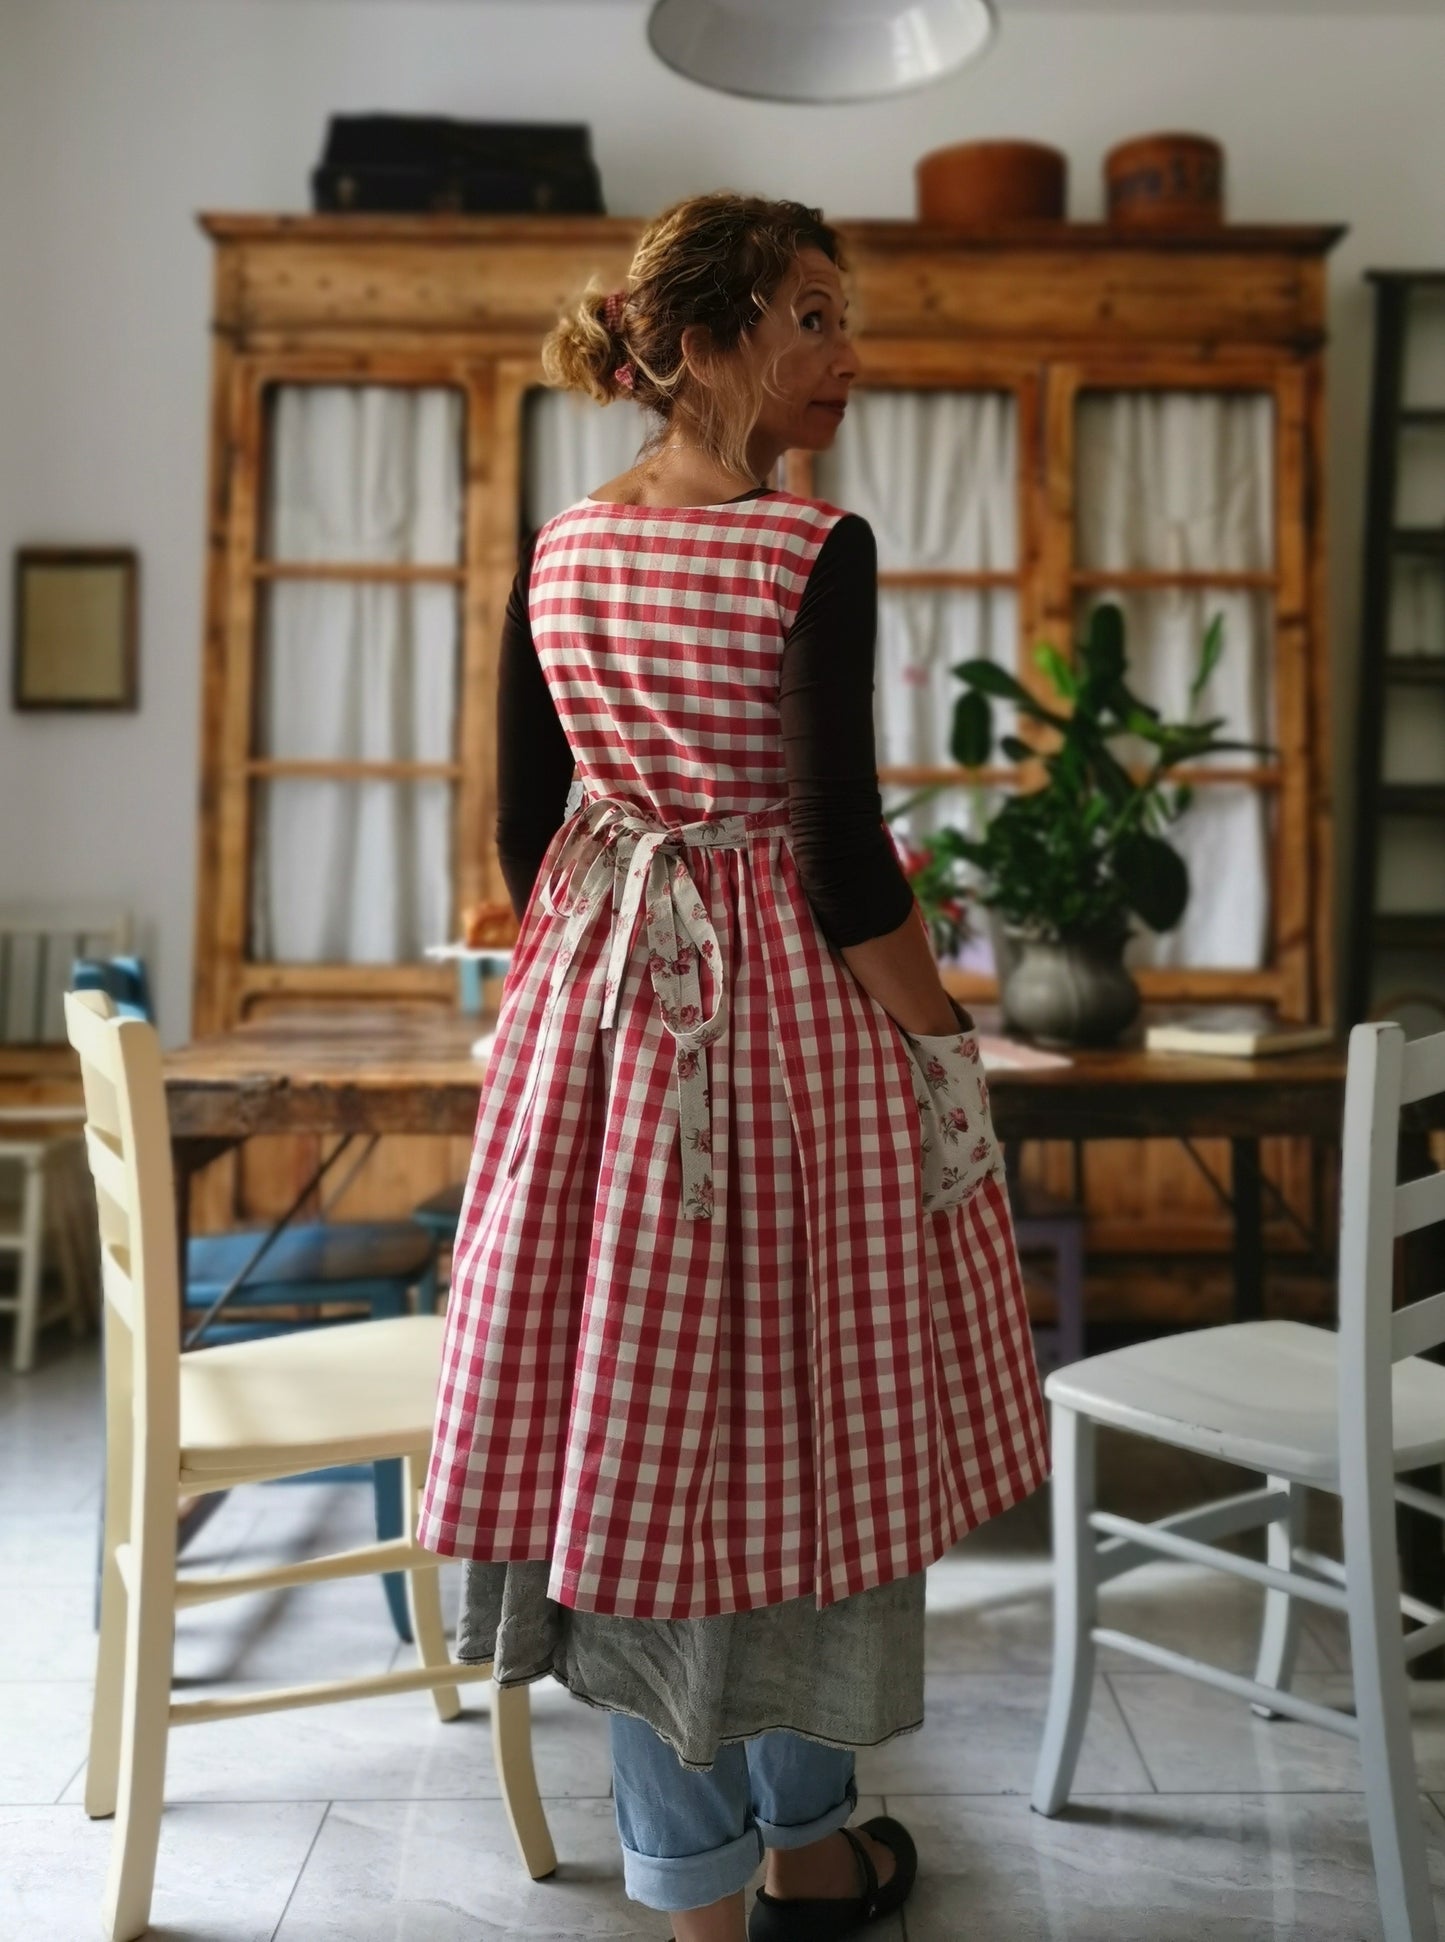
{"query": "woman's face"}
(819, 361)
(817, 365)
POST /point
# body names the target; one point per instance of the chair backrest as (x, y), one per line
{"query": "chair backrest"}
(1386, 1073)
(38, 944)
(127, 1142)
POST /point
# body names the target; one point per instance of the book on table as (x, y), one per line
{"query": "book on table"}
(1235, 1031)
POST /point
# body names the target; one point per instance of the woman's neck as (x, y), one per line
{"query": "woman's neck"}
(686, 475)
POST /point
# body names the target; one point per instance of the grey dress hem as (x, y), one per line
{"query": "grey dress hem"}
(848, 1676)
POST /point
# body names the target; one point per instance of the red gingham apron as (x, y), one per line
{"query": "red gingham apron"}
(705, 1350)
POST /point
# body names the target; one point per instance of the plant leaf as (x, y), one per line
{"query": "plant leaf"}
(1057, 669)
(1209, 653)
(1104, 647)
(972, 731)
(990, 679)
(1154, 878)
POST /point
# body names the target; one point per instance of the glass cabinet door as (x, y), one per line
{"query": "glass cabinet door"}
(570, 446)
(936, 475)
(354, 732)
(1174, 521)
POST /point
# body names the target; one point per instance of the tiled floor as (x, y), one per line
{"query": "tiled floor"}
(369, 1821)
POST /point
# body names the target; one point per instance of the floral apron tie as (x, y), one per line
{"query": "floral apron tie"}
(615, 847)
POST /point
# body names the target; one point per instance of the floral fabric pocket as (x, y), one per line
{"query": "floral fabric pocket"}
(954, 1123)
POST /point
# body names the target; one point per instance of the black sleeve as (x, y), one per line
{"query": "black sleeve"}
(534, 760)
(845, 855)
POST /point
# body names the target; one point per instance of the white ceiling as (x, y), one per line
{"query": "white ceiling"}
(1366, 9)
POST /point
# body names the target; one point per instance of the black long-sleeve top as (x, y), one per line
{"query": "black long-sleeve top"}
(849, 868)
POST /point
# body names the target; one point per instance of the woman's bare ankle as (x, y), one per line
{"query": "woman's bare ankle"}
(721, 1921)
(826, 1869)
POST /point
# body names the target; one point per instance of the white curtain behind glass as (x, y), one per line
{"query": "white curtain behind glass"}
(572, 446)
(357, 872)
(1184, 482)
(935, 474)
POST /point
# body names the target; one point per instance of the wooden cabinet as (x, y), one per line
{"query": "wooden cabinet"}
(1046, 416)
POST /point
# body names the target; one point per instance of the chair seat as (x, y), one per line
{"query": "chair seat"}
(301, 1401)
(1260, 1394)
(317, 1254)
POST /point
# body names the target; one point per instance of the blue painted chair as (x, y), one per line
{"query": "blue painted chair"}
(368, 1264)
(440, 1213)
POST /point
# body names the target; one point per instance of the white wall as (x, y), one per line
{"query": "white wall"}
(119, 119)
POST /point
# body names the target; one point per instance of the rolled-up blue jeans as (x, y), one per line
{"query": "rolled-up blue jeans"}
(689, 1838)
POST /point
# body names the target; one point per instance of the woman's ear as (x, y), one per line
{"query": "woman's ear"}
(696, 346)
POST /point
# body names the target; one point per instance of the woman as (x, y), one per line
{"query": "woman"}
(736, 1344)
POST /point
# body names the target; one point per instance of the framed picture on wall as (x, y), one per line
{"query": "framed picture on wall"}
(76, 626)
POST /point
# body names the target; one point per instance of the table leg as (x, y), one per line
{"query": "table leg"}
(1248, 1231)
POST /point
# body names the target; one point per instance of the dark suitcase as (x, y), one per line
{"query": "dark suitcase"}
(407, 163)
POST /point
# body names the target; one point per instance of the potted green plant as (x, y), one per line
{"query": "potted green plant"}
(1067, 868)
(932, 868)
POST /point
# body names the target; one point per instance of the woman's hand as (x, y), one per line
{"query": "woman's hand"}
(901, 972)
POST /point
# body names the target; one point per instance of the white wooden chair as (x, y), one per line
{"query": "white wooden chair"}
(242, 1413)
(38, 1144)
(1308, 1409)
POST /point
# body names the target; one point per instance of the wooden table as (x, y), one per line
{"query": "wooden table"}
(373, 1071)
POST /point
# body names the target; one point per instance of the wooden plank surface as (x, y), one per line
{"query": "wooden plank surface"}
(388, 1070)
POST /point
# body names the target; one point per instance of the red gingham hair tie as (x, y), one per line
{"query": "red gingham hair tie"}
(624, 374)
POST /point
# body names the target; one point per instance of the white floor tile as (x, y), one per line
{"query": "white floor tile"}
(1196, 1740)
(981, 1734)
(447, 1871)
(996, 1615)
(50, 1634)
(443, 1871)
(55, 1548)
(1192, 1818)
(988, 1614)
(223, 1874)
(1197, 1868)
(1021, 1531)
(394, 1748)
(1190, 1608)
(304, 1632)
(61, 1483)
(44, 1732)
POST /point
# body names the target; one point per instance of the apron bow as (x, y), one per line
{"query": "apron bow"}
(627, 860)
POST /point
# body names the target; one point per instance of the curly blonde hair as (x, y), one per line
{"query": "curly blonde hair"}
(716, 260)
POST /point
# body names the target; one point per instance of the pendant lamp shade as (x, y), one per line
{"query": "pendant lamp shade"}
(818, 50)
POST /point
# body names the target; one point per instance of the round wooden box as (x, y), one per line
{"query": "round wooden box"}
(977, 184)
(1165, 182)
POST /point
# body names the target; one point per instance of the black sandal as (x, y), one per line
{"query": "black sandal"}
(778, 1918)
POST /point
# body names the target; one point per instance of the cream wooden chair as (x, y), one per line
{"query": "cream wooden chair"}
(1305, 1408)
(243, 1413)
